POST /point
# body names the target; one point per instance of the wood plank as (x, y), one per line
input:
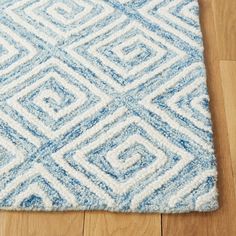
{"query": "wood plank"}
(216, 223)
(221, 222)
(228, 74)
(121, 224)
(225, 19)
(41, 224)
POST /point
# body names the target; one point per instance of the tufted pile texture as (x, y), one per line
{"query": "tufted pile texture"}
(104, 105)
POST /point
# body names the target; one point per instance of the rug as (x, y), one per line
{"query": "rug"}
(104, 106)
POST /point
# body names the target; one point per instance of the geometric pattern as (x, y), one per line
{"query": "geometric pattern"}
(104, 105)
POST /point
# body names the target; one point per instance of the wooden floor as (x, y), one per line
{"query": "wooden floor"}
(218, 20)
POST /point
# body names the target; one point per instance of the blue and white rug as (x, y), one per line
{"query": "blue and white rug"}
(104, 105)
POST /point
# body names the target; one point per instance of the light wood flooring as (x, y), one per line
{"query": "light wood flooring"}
(218, 20)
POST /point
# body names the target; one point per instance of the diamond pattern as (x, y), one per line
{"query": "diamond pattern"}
(104, 105)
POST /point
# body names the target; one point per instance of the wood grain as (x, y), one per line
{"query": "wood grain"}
(218, 20)
(228, 74)
(114, 224)
(225, 23)
(221, 222)
(41, 224)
